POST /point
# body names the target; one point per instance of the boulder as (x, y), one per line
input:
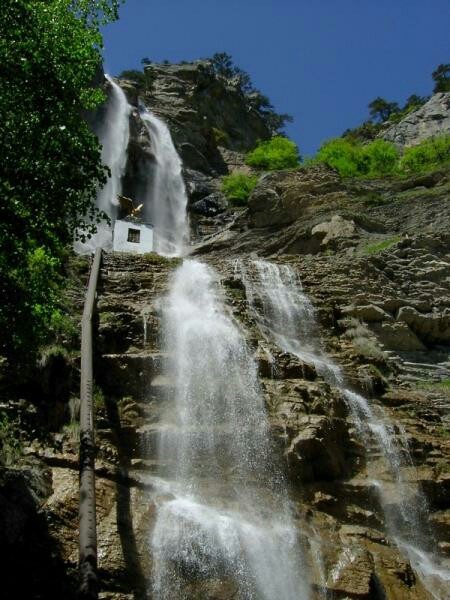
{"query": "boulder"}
(335, 229)
(433, 328)
(210, 206)
(368, 313)
(398, 336)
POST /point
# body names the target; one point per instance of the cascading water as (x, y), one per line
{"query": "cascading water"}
(114, 135)
(166, 201)
(285, 316)
(223, 514)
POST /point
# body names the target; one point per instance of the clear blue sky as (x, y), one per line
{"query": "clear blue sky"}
(321, 61)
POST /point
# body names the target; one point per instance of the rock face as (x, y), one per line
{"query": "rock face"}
(431, 119)
(212, 123)
(373, 257)
(204, 112)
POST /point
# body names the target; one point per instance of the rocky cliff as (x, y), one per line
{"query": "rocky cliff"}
(374, 258)
(433, 118)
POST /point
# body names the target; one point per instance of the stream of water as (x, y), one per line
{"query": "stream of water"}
(166, 199)
(286, 317)
(224, 513)
(113, 134)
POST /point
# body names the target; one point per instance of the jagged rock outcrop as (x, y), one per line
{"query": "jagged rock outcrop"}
(204, 112)
(431, 119)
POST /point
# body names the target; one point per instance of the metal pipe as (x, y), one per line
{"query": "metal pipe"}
(88, 589)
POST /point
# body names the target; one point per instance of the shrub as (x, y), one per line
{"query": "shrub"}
(426, 156)
(237, 187)
(380, 157)
(274, 154)
(383, 245)
(343, 155)
(221, 137)
(353, 159)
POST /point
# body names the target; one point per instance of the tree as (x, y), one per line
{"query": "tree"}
(414, 101)
(145, 61)
(223, 64)
(441, 78)
(51, 162)
(380, 109)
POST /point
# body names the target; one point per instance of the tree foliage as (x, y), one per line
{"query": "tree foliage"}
(224, 67)
(441, 78)
(274, 154)
(51, 165)
(380, 109)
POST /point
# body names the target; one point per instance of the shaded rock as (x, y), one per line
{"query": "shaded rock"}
(316, 452)
(193, 157)
(211, 205)
(199, 185)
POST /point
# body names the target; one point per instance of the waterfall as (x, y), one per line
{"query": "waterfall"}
(223, 515)
(114, 133)
(166, 201)
(286, 317)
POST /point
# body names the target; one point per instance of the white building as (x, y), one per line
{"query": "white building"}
(132, 236)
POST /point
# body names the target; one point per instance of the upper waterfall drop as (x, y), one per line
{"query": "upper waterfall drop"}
(114, 135)
(166, 201)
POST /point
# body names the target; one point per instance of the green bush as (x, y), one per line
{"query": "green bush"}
(426, 156)
(237, 187)
(343, 155)
(380, 157)
(274, 154)
(353, 159)
(383, 245)
(221, 137)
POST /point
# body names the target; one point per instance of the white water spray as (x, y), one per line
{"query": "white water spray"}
(166, 201)
(114, 135)
(285, 316)
(227, 517)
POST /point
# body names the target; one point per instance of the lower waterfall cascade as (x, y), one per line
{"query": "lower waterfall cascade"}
(223, 509)
(285, 316)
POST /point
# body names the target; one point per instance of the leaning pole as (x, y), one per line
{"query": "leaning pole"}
(88, 588)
